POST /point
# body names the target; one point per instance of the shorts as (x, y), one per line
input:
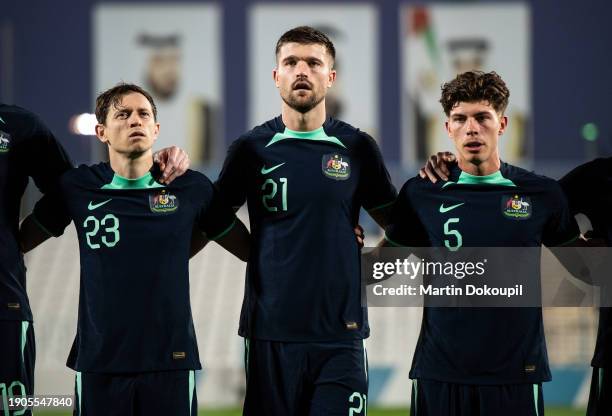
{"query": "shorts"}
(436, 398)
(17, 357)
(314, 378)
(600, 397)
(146, 394)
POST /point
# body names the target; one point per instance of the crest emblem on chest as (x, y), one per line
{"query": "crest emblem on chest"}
(163, 202)
(516, 207)
(336, 166)
(5, 142)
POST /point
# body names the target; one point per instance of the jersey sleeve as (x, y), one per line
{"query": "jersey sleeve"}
(404, 228)
(561, 228)
(376, 188)
(231, 183)
(51, 213)
(216, 218)
(574, 185)
(46, 157)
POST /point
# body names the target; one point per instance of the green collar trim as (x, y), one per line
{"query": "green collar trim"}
(492, 179)
(318, 135)
(144, 182)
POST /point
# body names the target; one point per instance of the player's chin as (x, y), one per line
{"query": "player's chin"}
(474, 157)
(139, 147)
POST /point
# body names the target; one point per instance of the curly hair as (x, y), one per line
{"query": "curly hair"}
(475, 86)
(306, 35)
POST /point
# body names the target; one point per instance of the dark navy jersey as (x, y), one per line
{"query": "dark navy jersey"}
(589, 191)
(134, 240)
(510, 208)
(27, 149)
(304, 192)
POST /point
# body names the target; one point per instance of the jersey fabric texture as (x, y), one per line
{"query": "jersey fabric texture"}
(589, 191)
(27, 149)
(435, 398)
(304, 192)
(144, 394)
(308, 379)
(482, 345)
(134, 240)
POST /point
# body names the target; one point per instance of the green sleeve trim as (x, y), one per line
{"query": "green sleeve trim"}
(42, 227)
(224, 232)
(388, 204)
(393, 242)
(569, 241)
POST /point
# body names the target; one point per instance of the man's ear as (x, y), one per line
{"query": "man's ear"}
(156, 132)
(503, 124)
(331, 78)
(275, 76)
(100, 130)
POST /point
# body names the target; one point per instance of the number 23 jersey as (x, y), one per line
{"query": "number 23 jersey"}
(134, 242)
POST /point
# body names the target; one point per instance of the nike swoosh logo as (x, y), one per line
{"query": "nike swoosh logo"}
(444, 209)
(265, 171)
(93, 206)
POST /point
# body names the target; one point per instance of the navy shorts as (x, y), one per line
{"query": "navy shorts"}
(17, 356)
(600, 397)
(314, 378)
(436, 398)
(145, 394)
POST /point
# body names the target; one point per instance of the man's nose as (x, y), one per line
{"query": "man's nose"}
(302, 68)
(135, 120)
(471, 126)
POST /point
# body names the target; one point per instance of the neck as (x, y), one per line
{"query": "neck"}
(131, 166)
(481, 169)
(312, 120)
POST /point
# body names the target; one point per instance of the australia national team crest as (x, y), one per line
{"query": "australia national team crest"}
(5, 142)
(163, 202)
(516, 207)
(336, 166)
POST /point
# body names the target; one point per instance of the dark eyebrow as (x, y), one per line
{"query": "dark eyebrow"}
(307, 58)
(290, 57)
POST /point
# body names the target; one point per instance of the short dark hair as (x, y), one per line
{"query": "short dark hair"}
(113, 96)
(472, 86)
(306, 35)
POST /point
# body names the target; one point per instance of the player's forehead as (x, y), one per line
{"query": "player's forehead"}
(302, 51)
(131, 101)
(468, 108)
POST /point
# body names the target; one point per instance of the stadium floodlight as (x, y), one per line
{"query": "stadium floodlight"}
(83, 124)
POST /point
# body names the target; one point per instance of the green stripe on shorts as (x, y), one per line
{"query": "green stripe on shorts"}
(191, 388)
(536, 392)
(24, 338)
(79, 391)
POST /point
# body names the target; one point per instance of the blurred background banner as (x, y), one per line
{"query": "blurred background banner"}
(440, 41)
(353, 28)
(173, 51)
(209, 66)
